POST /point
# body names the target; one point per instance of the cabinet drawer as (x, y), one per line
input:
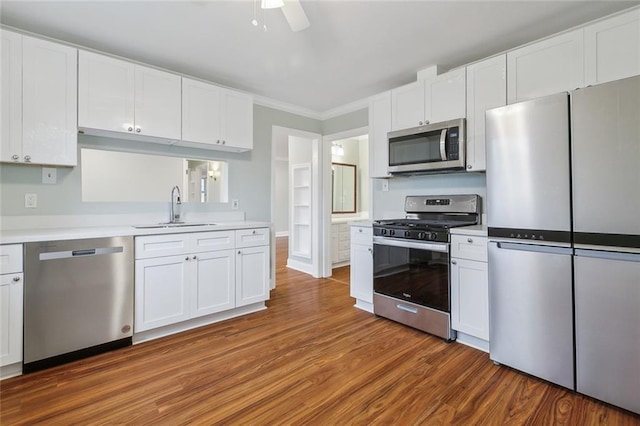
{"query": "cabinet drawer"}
(210, 241)
(11, 259)
(162, 245)
(252, 237)
(469, 247)
(362, 235)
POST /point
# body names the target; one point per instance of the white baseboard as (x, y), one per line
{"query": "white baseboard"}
(472, 341)
(365, 306)
(300, 266)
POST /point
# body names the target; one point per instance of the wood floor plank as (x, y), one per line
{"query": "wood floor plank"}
(311, 358)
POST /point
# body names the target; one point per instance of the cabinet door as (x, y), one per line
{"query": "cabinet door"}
(157, 103)
(470, 298)
(105, 93)
(445, 96)
(215, 281)
(200, 112)
(49, 103)
(11, 93)
(407, 106)
(237, 120)
(11, 290)
(252, 275)
(612, 48)
(379, 126)
(547, 67)
(486, 89)
(162, 291)
(362, 272)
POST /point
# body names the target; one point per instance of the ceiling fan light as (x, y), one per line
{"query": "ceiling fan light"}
(271, 4)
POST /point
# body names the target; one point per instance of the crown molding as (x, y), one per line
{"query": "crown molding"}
(286, 107)
(345, 109)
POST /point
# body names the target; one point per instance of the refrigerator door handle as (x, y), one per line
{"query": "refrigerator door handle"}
(534, 248)
(443, 146)
(612, 255)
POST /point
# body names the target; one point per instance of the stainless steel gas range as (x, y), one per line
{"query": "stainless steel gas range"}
(411, 274)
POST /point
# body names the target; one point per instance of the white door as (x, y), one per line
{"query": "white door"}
(105, 93)
(11, 289)
(49, 102)
(200, 112)
(158, 103)
(407, 106)
(11, 92)
(470, 298)
(252, 275)
(237, 119)
(214, 286)
(162, 291)
(445, 96)
(362, 272)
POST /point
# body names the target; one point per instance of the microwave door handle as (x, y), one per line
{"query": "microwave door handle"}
(443, 146)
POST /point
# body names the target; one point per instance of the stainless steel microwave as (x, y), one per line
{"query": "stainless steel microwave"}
(431, 148)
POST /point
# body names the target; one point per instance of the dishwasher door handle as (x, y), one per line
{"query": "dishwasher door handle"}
(80, 253)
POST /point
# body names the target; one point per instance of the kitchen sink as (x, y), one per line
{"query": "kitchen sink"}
(172, 225)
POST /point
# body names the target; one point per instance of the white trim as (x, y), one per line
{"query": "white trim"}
(365, 306)
(282, 234)
(286, 107)
(300, 266)
(345, 109)
(473, 342)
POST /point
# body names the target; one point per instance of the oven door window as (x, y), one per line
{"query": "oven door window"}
(415, 149)
(414, 275)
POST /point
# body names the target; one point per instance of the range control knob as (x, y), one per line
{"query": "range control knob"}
(433, 236)
(422, 235)
(392, 232)
(407, 234)
(383, 231)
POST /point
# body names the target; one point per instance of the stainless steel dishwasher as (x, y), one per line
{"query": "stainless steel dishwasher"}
(78, 299)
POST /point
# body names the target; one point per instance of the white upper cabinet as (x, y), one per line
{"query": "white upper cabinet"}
(157, 103)
(445, 96)
(39, 95)
(379, 126)
(407, 106)
(128, 99)
(547, 67)
(215, 117)
(439, 98)
(105, 93)
(612, 48)
(486, 89)
(237, 120)
(200, 110)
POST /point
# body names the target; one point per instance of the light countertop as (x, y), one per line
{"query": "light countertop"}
(69, 233)
(474, 230)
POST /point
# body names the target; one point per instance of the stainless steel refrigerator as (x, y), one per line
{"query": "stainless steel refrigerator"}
(563, 207)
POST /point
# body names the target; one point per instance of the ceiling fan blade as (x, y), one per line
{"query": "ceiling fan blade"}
(294, 13)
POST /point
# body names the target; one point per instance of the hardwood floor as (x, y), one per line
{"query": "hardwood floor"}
(310, 358)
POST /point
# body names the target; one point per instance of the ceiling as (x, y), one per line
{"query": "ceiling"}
(352, 50)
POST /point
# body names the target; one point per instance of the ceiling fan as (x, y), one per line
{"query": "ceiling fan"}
(292, 10)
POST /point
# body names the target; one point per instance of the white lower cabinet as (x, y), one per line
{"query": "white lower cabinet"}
(470, 288)
(179, 277)
(11, 291)
(361, 278)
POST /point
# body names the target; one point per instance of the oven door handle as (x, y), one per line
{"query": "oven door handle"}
(439, 247)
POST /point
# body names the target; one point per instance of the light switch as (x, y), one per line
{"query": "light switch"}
(30, 201)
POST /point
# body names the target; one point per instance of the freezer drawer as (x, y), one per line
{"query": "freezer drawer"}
(531, 310)
(608, 328)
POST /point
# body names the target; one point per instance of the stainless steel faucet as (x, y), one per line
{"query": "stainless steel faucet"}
(174, 217)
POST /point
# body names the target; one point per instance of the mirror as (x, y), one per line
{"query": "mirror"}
(343, 187)
(113, 176)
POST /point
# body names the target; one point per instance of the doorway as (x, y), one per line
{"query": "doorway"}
(296, 204)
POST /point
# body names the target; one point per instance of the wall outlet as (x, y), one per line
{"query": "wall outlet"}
(385, 185)
(49, 175)
(234, 204)
(30, 201)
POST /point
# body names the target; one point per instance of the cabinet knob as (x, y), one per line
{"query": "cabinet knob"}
(420, 123)
(254, 232)
(426, 122)
(469, 167)
(15, 157)
(186, 258)
(239, 252)
(453, 262)
(359, 230)
(218, 141)
(224, 142)
(469, 240)
(194, 257)
(16, 279)
(138, 129)
(130, 129)
(27, 158)
(370, 250)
